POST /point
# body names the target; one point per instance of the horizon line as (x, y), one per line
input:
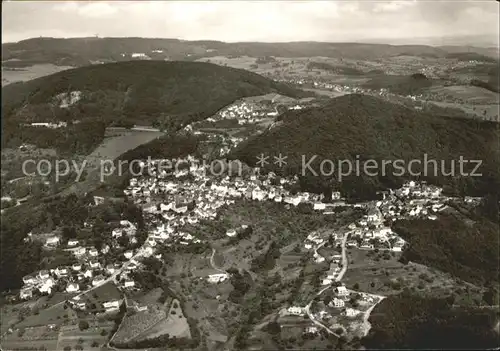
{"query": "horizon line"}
(366, 41)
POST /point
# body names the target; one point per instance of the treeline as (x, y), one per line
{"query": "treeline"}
(493, 81)
(467, 251)
(401, 85)
(241, 282)
(411, 322)
(17, 257)
(342, 70)
(489, 85)
(170, 146)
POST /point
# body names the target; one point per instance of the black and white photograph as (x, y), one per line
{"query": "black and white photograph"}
(250, 175)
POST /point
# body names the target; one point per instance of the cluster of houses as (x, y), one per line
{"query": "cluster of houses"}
(52, 125)
(81, 304)
(244, 112)
(88, 271)
(187, 195)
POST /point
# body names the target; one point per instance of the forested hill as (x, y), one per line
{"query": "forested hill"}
(140, 91)
(84, 51)
(375, 129)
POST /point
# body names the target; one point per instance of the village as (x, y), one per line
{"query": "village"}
(171, 199)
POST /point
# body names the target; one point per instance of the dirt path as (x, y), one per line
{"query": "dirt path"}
(212, 263)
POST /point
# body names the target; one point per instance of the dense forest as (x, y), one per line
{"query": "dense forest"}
(20, 257)
(81, 138)
(401, 85)
(144, 92)
(466, 250)
(410, 322)
(358, 128)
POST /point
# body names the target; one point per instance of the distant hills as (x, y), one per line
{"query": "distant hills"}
(142, 92)
(84, 51)
(375, 129)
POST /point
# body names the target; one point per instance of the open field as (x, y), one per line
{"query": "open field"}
(270, 222)
(368, 272)
(105, 293)
(11, 344)
(175, 325)
(72, 336)
(53, 315)
(12, 75)
(467, 93)
(147, 298)
(489, 112)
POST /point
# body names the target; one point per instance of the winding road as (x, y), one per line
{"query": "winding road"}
(338, 278)
(366, 324)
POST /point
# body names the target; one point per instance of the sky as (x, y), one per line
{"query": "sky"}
(265, 21)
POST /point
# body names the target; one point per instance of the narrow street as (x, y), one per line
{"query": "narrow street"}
(337, 279)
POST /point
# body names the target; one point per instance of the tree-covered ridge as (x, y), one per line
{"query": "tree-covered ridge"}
(468, 251)
(143, 91)
(362, 125)
(408, 321)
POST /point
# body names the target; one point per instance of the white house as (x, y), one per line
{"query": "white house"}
(217, 278)
(231, 233)
(76, 267)
(129, 284)
(72, 288)
(43, 274)
(296, 311)
(338, 303)
(318, 258)
(117, 233)
(95, 264)
(46, 287)
(52, 241)
(111, 305)
(319, 206)
(341, 290)
(72, 242)
(110, 268)
(88, 274)
(351, 312)
(93, 252)
(312, 330)
(374, 215)
(26, 293)
(80, 251)
(128, 254)
(61, 272)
